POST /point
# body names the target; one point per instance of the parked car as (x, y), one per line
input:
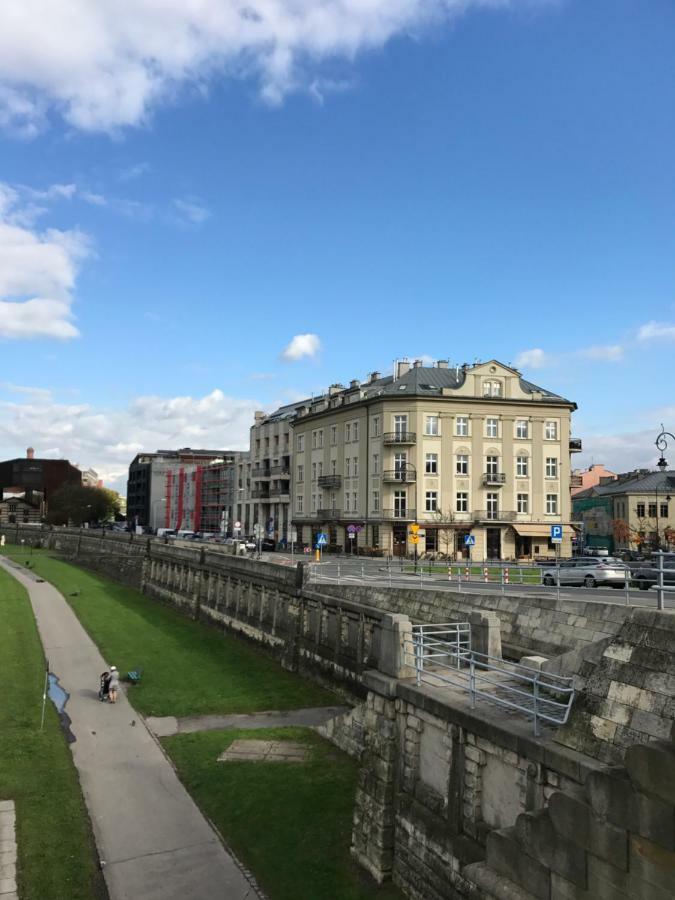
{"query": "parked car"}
(596, 551)
(588, 572)
(268, 544)
(648, 575)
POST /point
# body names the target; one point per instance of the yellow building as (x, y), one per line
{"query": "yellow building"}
(472, 450)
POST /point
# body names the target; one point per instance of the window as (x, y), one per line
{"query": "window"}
(431, 501)
(652, 510)
(333, 435)
(400, 425)
(664, 511)
(313, 502)
(355, 431)
(400, 504)
(492, 465)
(333, 467)
(376, 501)
(376, 426)
(348, 466)
(551, 431)
(301, 443)
(492, 428)
(348, 432)
(298, 503)
(551, 504)
(355, 467)
(313, 471)
(462, 426)
(376, 537)
(462, 466)
(431, 425)
(462, 504)
(431, 464)
(640, 510)
(376, 463)
(320, 438)
(492, 503)
(355, 502)
(523, 503)
(431, 541)
(301, 474)
(522, 429)
(521, 466)
(401, 465)
(492, 388)
(347, 501)
(319, 469)
(551, 467)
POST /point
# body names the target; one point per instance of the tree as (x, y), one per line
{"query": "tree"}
(669, 534)
(444, 523)
(621, 531)
(74, 504)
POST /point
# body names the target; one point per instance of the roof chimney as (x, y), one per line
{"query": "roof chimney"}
(402, 366)
(354, 383)
(442, 364)
(258, 415)
(30, 453)
(335, 389)
(374, 376)
(417, 364)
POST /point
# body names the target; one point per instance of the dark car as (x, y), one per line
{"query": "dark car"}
(647, 576)
(268, 544)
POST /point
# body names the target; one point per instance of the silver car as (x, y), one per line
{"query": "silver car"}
(588, 572)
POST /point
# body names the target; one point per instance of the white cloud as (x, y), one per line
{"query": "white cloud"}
(656, 331)
(301, 345)
(37, 275)
(108, 439)
(35, 393)
(191, 211)
(620, 452)
(104, 65)
(133, 172)
(609, 353)
(532, 359)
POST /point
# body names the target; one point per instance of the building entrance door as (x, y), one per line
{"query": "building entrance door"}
(493, 543)
(523, 546)
(400, 540)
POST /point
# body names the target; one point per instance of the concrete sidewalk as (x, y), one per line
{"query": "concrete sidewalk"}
(152, 837)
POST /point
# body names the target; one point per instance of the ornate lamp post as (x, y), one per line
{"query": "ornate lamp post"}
(661, 446)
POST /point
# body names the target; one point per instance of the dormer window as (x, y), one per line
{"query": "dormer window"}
(492, 388)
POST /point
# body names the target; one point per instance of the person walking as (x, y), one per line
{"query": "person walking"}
(113, 684)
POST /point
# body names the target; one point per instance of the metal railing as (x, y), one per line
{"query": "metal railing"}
(279, 492)
(404, 476)
(576, 445)
(330, 481)
(495, 515)
(405, 515)
(328, 515)
(494, 478)
(441, 655)
(281, 470)
(260, 494)
(399, 437)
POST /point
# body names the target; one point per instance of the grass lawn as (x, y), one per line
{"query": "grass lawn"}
(290, 823)
(57, 857)
(517, 574)
(190, 668)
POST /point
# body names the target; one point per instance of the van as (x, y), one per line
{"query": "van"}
(166, 532)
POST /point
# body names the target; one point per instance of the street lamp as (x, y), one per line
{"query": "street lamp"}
(661, 445)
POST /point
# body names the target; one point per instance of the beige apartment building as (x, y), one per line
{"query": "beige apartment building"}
(471, 450)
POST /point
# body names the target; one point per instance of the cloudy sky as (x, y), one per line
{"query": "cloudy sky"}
(208, 208)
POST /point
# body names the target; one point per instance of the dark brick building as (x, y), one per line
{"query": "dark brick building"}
(36, 479)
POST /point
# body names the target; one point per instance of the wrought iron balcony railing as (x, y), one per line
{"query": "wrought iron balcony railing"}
(494, 478)
(330, 481)
(399, 437)
(404, 475)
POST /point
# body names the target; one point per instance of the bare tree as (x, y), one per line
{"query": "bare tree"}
(444, 524)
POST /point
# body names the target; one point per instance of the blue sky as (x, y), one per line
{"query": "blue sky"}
(451, 179)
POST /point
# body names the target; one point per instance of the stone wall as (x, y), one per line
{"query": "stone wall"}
(530, 623)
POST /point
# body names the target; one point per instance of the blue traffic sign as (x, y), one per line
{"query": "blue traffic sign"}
(556, 534)
(321, 539)
(469, 540)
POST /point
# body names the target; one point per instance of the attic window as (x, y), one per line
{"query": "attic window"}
(492, 388)
(402, 387)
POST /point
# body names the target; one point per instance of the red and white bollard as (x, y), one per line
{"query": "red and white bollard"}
(506, 576)
(449, 573)
(467, 573)
(485, 574)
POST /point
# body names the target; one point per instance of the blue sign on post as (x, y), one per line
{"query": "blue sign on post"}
(556, 534)
(321, 539)
(469, 540)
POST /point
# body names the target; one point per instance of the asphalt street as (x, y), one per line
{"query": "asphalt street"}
(380, 572)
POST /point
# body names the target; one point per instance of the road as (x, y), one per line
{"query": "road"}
(378, 572)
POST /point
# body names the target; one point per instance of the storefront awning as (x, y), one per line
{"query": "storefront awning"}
(527, 529)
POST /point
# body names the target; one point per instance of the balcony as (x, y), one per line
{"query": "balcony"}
(399, 437)
(576, 481)
(260, 494)
(328, 515)
(494, 515)
(576, 445)
(279, 492)
(401, 515)
(260, 472)
(330, 481)
(283, 470)
(494, 479)
(406, 475)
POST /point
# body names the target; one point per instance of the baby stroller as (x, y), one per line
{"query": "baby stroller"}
(104, 683)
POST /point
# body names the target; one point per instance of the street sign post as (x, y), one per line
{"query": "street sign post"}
(556, 534)
(321, 541)
(556, 538)
(414, 539)
(469, 542)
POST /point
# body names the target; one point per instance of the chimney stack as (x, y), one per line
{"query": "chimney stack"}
(417, 364)
(374, 376)
(30, 453)
(258, 416)
(402, 366)
(442, 364)
(354, 383)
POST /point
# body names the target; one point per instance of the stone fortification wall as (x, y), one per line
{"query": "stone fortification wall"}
(529, 623)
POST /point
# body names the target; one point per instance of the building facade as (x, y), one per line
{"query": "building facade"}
(636, 510)
(266, 483)
(35, 480)
(582, 479)
(471, 450)
(15, 510)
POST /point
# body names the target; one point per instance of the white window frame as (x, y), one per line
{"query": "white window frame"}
(462, 426)
(376, 501)
(522, 467)
(431, 425)
(462, 464)
(462, 501)
(298, 503)
(551, 504)
(300, 443)
(333, 435)
(431, 501)
(355, 431)
(376, 463)
(301, 474)
(551, 431)
(355, 467)
(492, 427)
(376, 426)
(431, 464)
(523, 503)
(522, 429)
(551, 466)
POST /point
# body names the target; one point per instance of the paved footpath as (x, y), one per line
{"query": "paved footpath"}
(154, 840)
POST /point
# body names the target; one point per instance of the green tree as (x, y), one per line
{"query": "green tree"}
(74, 504)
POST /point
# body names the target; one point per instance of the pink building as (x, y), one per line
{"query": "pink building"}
(590, 477)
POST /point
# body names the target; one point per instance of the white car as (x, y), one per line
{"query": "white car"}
(588, 572)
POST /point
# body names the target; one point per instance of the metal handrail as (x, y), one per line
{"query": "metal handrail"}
(399, 437)
(405, 475)
(447, 649)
